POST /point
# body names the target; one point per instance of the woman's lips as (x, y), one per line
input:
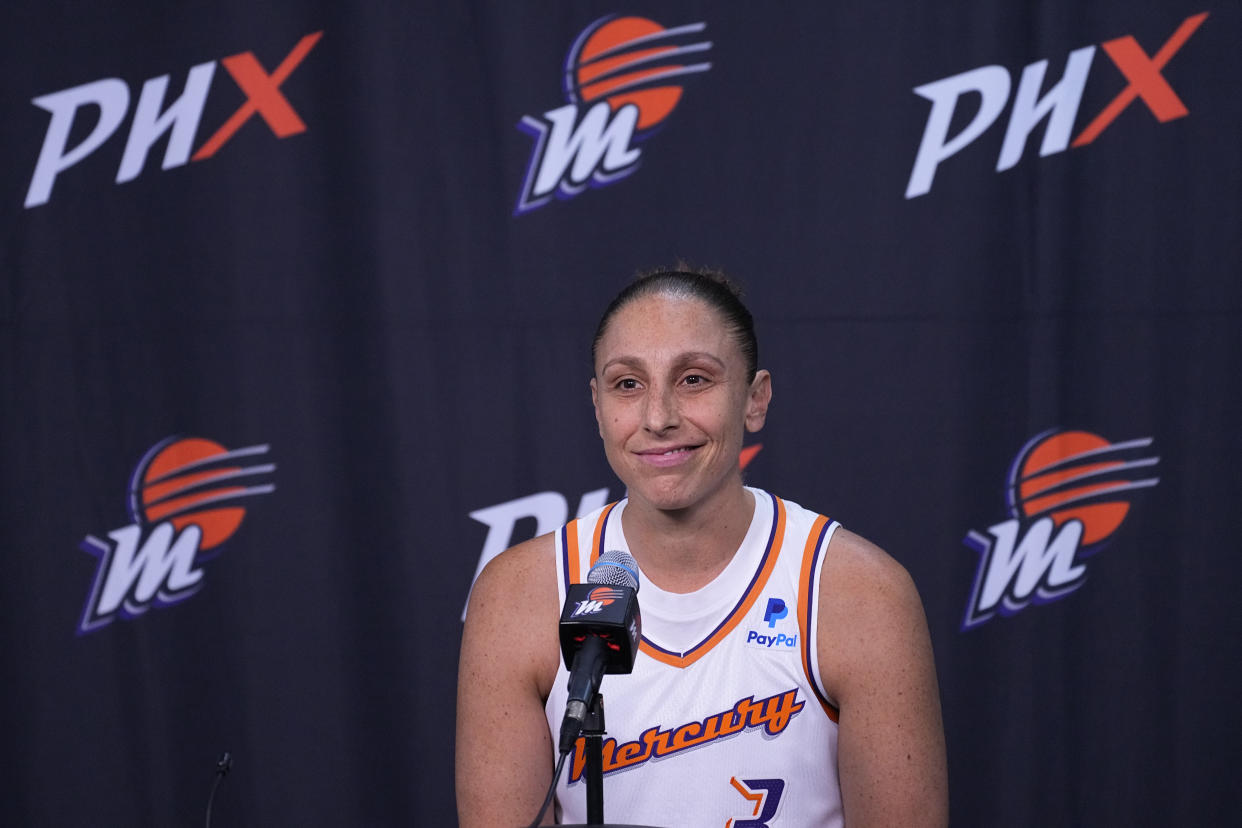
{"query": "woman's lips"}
(666, 458)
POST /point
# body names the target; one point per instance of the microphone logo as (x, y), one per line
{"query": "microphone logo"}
(596, 600)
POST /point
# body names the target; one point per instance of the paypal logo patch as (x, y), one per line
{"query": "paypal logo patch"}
(775, 612)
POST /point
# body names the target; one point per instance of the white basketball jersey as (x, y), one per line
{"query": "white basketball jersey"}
(724, 722)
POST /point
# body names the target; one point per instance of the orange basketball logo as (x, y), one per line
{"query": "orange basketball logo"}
(186, 496)
(631, 60)
(1067, 492)
(605, 595)
(1076, 475)
(196, 481)
(622, 77)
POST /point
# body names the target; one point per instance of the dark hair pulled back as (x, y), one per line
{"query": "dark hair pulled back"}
(708, 286)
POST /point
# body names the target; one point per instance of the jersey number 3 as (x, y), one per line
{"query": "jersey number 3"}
(766, 796)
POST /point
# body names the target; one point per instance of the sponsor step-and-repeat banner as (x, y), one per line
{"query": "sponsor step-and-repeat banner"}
(296, 316)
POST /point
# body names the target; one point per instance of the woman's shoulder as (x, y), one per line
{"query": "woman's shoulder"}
(515, 602)
(854, 559)
(869, 604)
(523, 567)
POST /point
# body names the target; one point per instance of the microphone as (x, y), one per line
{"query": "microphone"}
(223, 765)
(600, 628)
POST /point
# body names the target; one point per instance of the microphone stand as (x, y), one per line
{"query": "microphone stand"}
(593, 732)
(593, 748)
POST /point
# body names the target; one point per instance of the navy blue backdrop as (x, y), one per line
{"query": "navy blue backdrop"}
(296, 309)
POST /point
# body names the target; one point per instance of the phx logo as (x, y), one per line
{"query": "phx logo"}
(1068, 492)
(1058, 106)
(185, 498)
(153, 119)
(621, 80)
(596, 600)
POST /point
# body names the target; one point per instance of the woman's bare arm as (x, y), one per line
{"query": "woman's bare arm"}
(875, 656)
(509, 658)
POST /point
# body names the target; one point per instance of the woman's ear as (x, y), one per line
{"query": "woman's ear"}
(758, 400)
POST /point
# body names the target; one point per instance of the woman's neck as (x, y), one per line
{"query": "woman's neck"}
(684, 549)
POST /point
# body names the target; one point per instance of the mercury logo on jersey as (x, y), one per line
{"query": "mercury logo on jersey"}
(621, 79)
(185, 498)
(771, 715)
(1067, 492)
(1059, 104)
(179, 119)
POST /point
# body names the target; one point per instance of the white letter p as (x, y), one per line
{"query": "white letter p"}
(992, 82)
(111, 95)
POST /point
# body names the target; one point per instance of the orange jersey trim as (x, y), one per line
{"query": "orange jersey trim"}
(598, 535)
(806, 609)
(569, 543)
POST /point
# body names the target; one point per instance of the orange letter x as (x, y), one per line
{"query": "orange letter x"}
(1145, 79)
(264, 96)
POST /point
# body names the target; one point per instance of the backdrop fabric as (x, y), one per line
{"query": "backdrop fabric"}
(296, 311)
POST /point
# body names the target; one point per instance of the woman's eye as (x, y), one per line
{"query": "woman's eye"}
(694, 379)
(627, 384)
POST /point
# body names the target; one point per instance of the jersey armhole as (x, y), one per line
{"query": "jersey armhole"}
(808, 610)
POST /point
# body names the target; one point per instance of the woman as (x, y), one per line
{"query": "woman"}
(785, 676)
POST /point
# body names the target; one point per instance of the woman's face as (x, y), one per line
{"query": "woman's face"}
(673, 401)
